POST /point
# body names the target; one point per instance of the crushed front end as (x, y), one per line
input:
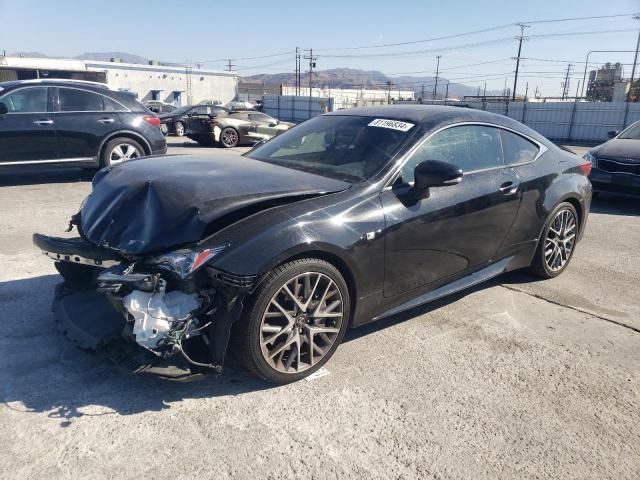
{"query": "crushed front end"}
(168, 314)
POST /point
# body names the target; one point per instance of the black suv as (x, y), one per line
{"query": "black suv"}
(74, 122)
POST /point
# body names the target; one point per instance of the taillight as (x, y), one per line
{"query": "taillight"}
(586, 168)
(155, 121)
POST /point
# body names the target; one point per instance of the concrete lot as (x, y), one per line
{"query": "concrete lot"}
(515, 379)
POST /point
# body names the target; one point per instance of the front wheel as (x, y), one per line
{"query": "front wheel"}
(178, 128)
(294, 321)
(229, 137)
(557, 243)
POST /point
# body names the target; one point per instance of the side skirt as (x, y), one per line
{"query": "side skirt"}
(463, 283)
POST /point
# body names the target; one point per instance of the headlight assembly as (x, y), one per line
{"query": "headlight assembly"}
(185, 261)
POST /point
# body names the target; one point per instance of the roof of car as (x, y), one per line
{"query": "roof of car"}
(55, 81)
(434, 115)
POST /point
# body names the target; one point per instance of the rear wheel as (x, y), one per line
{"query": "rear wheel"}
(120, 150)
(557, 243)
(294, 321)
(229, 137)
(178, 129)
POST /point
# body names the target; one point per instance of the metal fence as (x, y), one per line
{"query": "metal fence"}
(290, 108)
(566, 121)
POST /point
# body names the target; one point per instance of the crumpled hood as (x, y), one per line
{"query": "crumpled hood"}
(619, 148)
(157, 203)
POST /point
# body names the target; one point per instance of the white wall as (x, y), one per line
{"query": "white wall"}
(351, 97)
(142, 79)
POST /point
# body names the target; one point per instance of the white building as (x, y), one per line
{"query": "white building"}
(171, 84)
(352, 97)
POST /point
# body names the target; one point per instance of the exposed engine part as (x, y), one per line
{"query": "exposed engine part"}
(156, 314)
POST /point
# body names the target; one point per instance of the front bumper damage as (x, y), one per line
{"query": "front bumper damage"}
(143, 319)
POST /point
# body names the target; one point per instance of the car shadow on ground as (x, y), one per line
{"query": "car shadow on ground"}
(615, 205)
(42, 372)
(46, 175)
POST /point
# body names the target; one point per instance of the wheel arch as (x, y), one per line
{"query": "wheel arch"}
(332, 258)
(126, 134)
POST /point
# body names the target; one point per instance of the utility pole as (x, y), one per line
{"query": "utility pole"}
(446, 95)
(526, 92)
(535, 94)
(297, 71)
(312, 64)
(520, 38)
(565, 84)
(230, 65)
(635, 60)
(422, 94)
(389, 84)
(435, 88)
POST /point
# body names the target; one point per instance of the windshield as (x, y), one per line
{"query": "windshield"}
(632, 133)
(342, 147)
(181, 110)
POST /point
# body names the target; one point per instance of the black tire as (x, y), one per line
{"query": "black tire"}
(108, 152)
(178, 129)
(539, 266)
(229, 137)
(247, 332)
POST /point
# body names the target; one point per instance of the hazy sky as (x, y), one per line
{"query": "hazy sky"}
(201, 31)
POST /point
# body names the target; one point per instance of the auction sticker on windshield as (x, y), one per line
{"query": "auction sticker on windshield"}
(392, 124)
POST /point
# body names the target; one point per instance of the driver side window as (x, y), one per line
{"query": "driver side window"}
(469, 147)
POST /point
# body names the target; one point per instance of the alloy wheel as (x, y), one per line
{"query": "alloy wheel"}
(561, 239)
(179, 129)
(229, 137)
(301, 322)
(123, 152)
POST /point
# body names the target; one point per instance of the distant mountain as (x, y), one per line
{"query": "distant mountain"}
(354, 78)
(107, 56)
(335, 78)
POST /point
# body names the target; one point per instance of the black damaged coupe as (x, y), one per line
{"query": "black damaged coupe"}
(346, 218)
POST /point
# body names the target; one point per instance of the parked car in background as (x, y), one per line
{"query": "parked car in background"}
(230, 129)
(347, 218)
(156, 106)
(210, 102)
(616, 163)
(237, 106)
(176, 121)
(75, 123)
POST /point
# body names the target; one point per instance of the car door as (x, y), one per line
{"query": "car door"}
(82, 122)
(27, 131)
(458, 228)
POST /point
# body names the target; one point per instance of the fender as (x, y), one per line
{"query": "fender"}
(113, 135)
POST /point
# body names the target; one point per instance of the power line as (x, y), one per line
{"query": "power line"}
(473, 44)
(476, 32)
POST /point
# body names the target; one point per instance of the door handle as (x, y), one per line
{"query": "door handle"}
(106, 120)
(43, 122)
(509, 188)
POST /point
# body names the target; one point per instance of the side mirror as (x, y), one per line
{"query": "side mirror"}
(3, 108)
(273, 124)
(432, 173)
(613, 133)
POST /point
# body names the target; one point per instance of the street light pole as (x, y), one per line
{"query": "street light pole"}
(635, 59)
